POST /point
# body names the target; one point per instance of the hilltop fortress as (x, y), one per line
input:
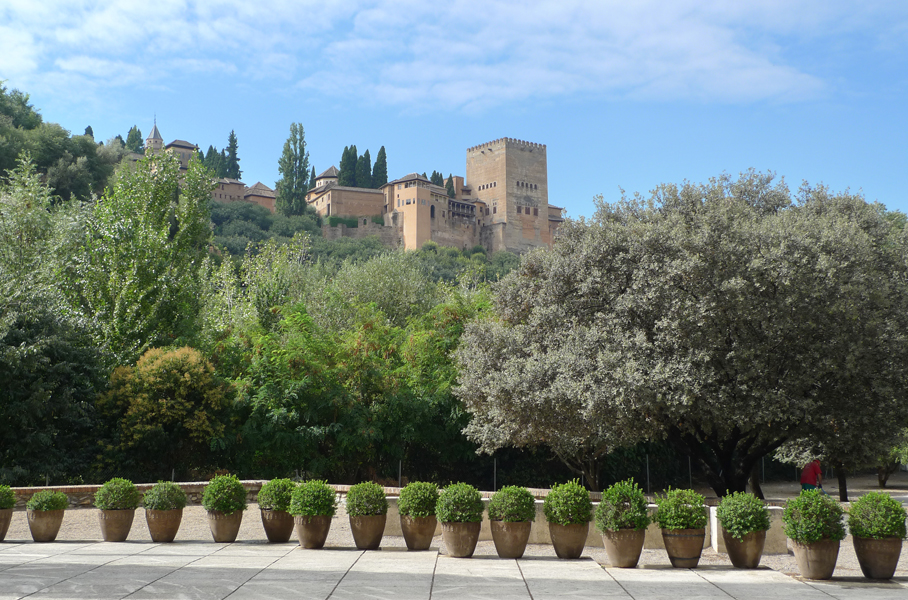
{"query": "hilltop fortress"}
(501, 205)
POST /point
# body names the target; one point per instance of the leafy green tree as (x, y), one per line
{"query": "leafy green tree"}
(449, 186)
(347, 170)
(26, 231)
(364, 171)
(232, 162)
(134, 141)
(720, 317)
(293, 167)
(90, 132)
(380, 169)
(437, 178)
(120, 140)
(312, 177)
(137, 272)
(166, 413)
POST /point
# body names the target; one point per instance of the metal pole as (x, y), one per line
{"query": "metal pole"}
(690, 474)
(648, 489)
(173, 474)
(399, 472)
(763, 461)
(495, 474)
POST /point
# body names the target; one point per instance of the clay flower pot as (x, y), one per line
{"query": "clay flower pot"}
(225, 527)
(44, 524)
(368, 530)
(278, 525)
(460, 538)
(816, 560)
(312, 531)
(418, 531)
(878, 558)
(163, 524)
(684, 546)
(115, 524)
(623, 546)
(569, 540)
(746, 552)
(510, 538)
(6, 517)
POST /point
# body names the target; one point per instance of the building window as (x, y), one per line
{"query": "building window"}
(431, 212)
(329, 210)
(535, 212)
(494, 209)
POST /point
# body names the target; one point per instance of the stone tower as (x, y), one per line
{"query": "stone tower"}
(511, 177)
(154, 141)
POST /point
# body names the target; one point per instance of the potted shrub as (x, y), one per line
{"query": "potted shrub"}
(164, 504)
(367, 509)
(877, 525)
(312, 505)
(45, 514)
(682, 516)
(813, 522)
(117, 500)
(274, 502)
(622, 519)
(568, 510)
(460, 509)
(7, 502)
(416, 507)
(512, 511)
(744, 521)
(225, 500)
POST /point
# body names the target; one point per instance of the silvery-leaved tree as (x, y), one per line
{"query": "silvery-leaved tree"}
(725, 318)
(137, 272)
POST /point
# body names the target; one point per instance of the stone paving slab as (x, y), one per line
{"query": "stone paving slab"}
(256, 570)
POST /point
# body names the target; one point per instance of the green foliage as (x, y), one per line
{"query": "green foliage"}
(813, 516)
(459, 503)
(276, 494)
(165, 411)
(364, 171)
(232, 165)
(623, 506)
(295, 180)
(568, 504)
(334, 221)
(366, 499)
(164, 495)
(725, 318)
(512, 504)
(225, 494)
(134, 140)
(681, 509)
(378, 219)
(48, 500)
(118, 494)
(347, 170)
(313, 498)
(380, 169)
(741, 513)
(449, 186)
(7, 497)
(877, 515)
(418, 499)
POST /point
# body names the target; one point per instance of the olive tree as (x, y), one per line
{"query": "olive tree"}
(725, 318)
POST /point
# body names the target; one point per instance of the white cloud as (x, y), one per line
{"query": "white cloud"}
(463, 54)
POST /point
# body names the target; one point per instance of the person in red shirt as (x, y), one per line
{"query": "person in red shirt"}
(812, 476)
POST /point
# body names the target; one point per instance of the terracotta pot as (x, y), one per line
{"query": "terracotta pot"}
(816, 560)
(623, 546)
(684, 546)
(569, 540)
(115, 524)
(44, 524)
(278, 525)
(510, 538)
(878, 558)
(368, 531)
(6, 516)
(224, 526)
(163, 524)
(460, 538)
(312, 531)
(418, 531)
(746, 552)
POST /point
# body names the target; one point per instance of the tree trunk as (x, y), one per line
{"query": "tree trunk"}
(841, 475)
(884, 471)
(755, 487)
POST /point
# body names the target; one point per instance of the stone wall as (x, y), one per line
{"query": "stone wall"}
(389, 236)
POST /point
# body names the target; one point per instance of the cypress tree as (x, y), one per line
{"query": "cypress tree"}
(134, 142)
(293, 166)
(222, 164)
(449, 185)
(380, 170)
(312, 177)
(89, 132)
(364, 171)
(347, 175)
(438, 179)
(232, 161)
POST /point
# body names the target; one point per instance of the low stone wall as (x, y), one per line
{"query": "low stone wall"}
(83, 496)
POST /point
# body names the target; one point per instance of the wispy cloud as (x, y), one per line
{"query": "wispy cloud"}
(459, 55)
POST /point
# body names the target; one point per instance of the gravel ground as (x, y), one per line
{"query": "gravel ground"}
(82, 525)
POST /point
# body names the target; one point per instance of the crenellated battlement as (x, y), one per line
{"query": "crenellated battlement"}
(506, 141)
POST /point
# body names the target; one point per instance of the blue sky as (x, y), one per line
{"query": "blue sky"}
(624, 94)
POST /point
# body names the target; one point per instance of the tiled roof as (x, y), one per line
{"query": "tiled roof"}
(260, 189)
(155, 134)
(182, 144)
(332, 172)
(228, 180)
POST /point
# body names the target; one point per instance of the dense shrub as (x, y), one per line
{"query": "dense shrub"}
(741, 513)
(313, 498)
(164, 495)
(681, 509)
(877, 515)
(118, 494)
(276, 494)
(225, 494)
(7, 497)
(366, 499)
(568, 504)
(512, 504)
(48, 500)
(459, 503)
(623, 506)
(418, 499)
(813, 516)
